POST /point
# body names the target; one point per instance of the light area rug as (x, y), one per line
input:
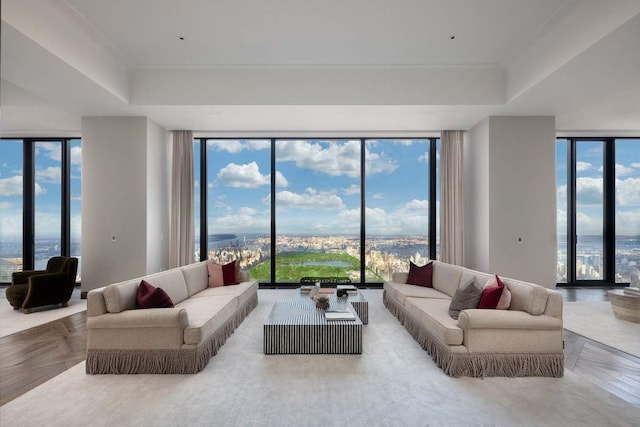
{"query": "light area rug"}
(12, 321)
(595, 320)
(393, 383)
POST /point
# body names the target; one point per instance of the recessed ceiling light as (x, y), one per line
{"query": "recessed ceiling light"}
(181, 38)
(452, 37)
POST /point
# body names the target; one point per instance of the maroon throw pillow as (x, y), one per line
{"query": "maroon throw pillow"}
(491, 295)
(420, 276)
(229, 273)
(148, 296)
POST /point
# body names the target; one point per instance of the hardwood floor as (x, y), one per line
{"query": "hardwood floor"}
(34, 356)
(31, 357)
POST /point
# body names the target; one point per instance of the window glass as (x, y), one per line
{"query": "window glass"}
(239, 204)
(627, 211)
(561, 209)
(397, 207)
(317, 209)
(11, 159)
(196, 199)
(48, 201)
(589, 210)
(76, 203)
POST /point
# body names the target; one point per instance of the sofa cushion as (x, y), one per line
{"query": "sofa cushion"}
(244, 291)
(196, 277)
(527, 296)
(121, 296)
(433, 314)
(172, 282)
(148, 296)
(467, 296)
(420, 276)
(206, 314)
(446, 277)
(400, 291)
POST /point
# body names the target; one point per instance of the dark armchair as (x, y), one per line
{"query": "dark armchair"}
(36, 288)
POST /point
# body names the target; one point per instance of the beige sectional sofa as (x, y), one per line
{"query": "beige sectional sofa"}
(124, 340)
(525, 340)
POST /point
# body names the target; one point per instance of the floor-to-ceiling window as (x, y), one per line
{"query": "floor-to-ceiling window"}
(357, 208)
(11, 201)
(627, 211)
(598, 205)
(40, 197)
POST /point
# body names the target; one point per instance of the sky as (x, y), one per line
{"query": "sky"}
(48, 156)
(589, 187)
(318, 187)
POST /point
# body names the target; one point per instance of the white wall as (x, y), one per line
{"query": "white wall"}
(124, 194)
(519, 195)
(476, 197)
(158, 197)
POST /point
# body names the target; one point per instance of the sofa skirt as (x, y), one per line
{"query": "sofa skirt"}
(467, 364)
(188, 361)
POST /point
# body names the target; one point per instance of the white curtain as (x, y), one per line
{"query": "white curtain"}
(451, 209)
(182, 248)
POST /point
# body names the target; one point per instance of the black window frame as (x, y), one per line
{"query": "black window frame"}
(431, 231)
(29, 202)
(608, 217)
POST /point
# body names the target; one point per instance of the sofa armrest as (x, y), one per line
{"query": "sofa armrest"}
(22, 277)
(157, 328)
(510, 331)
(399, 277)
(505, 319)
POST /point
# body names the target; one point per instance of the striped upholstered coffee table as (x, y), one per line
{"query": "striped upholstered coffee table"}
(298, 327)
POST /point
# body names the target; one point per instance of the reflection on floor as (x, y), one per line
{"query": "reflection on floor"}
(36, 355)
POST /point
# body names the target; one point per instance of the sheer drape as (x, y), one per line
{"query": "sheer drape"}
(451, 213)
(182, 249)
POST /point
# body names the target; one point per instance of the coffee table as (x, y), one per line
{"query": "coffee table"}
(625, 307)
(298, 327)
(359, 303)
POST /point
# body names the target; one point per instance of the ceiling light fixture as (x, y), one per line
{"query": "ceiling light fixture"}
(181, 38)
(452, 37)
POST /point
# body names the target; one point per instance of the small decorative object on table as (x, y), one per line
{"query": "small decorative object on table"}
(322, 301)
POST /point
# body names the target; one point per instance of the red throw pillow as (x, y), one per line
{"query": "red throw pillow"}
(420, 276)
(148, 296)
(229, 273)
(491, 295)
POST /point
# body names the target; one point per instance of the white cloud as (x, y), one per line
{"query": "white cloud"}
(76, 156)
(51, 149)
(628, 223)
(252, 220)
(11, 186)
(76, 198)
(335, 159)
(635, 165)
(583, 166)
(6, 205)
(417, 205)
(11, 224)
(50, 174)
(423, 158)
(310, 199)
(281, 181)
(351, 190)
(622, 170)
(242, 176)
(628, 192)
(378, 196)
(235, 146)
(589, 191)
(587, 224)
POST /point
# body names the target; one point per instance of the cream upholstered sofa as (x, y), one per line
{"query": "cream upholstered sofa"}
(180, 340)
(525, 340)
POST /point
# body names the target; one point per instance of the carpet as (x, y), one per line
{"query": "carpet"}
(393, 383)
(12, 321)
(595, 320)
